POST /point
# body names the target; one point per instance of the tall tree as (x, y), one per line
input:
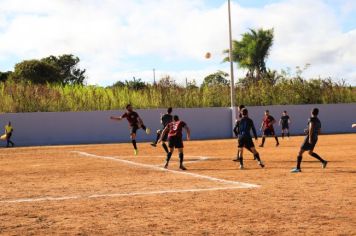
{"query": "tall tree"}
(217, 78)
(252, 51)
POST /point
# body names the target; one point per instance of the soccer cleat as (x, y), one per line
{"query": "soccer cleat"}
(261, 164)
(148, 130)
(166, 166)
(261, 145)
(237, 159)
(153, 144)
(296, 170)
(324, 164)
(277, 144)
(135, 152)
(182, 167)
(242, 167)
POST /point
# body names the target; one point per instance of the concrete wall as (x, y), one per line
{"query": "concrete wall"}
(52, 128)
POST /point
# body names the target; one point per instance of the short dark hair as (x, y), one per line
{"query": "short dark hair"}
(241, 107)
(169, 110)
(267, 111)
(175, 118)
(128, 105)
(244, 112)
(315, 111)
(285, 111)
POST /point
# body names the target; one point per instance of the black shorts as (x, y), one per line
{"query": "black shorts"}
(285, 126)
(245, 142)
(268, 132)
(308, 146)
(175, 142)
(133, 129)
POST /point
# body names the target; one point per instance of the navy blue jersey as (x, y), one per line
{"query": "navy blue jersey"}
(166, 119)
(317, 126)
(284, 120)
(243, 128)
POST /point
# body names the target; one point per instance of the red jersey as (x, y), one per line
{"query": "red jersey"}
(132, 118)
(268, 122)
(176, 128)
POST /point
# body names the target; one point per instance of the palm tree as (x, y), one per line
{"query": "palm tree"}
(252, 51)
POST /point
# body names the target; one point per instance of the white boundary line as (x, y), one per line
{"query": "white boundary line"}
(245, 185)
(235, 184)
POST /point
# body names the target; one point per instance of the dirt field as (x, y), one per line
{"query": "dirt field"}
(104, 190)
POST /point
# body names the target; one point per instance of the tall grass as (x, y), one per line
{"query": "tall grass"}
(26, 97)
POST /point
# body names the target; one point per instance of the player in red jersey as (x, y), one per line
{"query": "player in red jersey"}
(267, 128)
(175, 139)
(135, 123)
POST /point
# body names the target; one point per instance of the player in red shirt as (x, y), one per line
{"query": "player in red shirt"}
(135, 123)
(175, 139)
(267, 128)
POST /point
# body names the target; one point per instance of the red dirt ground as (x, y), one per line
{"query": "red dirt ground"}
(314, 202)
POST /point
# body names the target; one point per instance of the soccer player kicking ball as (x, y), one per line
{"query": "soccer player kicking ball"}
(244, 126)
(165, 120)
(135, 123)
(175, 139)
(267, 128)
(310, 141)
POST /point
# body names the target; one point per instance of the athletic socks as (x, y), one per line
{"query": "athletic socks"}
(288, 134)
(169, 155)
(263, 141)
(181, 158)
(299, 161)
(282, 135)
(165, 147)
(134, 143)
(317, 157)
(276, 138)
(157, 137)
(143, 127)
(241, 159)
(257, 157)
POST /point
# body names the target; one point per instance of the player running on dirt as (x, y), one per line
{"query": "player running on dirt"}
(267, 128)
(135, 123)
(311, 138)
(165, 120)
(175, 139)
(245, 125)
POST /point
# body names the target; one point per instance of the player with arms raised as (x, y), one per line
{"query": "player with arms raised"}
(175, 139)
(135, 123)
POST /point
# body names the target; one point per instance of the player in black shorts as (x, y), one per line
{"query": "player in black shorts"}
(175, 139)
(239, 109)
(135, 123)
(267, 128)
(284, 122)
(244, 126)
(165, 120)
(313, 130)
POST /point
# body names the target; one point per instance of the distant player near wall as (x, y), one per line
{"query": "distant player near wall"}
(311, 138)
(175, 139)
(244, 127)
(284, 123)
(165, 120)
(267, 128)
(8, 134)
(135, 123)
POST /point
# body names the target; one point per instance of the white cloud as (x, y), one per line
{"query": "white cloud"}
(109, 34)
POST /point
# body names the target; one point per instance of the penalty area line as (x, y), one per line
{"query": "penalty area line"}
(113, 195)
(214, 179)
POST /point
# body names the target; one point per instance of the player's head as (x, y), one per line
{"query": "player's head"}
(266, 112)
(129, 107)
(9, 123)
(176, 118)
(284, 112)
(169, 110)
(244, 112)
(315, 112)
(240, 107)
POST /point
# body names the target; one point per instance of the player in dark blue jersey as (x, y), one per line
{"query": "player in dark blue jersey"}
(312, 132)
(284, 122)
(165, 120)
(244, 127)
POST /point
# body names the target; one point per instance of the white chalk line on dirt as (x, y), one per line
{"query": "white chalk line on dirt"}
(112, 195)
(214, 179)
(235, 184)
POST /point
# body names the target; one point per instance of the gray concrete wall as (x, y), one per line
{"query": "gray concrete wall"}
(52, 128)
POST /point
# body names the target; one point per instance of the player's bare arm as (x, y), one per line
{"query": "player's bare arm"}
(163, 134)
(115, 117)
(188, 132)
(311, 131)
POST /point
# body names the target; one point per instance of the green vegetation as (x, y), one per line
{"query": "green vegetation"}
(28, 97)
(57, 84)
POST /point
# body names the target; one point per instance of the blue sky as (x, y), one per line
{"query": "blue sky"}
(118, 40)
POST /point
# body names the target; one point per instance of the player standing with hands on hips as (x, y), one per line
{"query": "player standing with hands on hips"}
(175, 139)
(135, 123)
